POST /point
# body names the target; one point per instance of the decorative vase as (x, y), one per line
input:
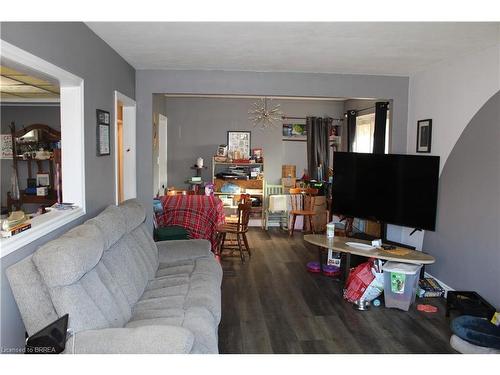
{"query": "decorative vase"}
(199, 162)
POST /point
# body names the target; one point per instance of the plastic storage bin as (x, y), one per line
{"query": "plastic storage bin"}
(400, 284)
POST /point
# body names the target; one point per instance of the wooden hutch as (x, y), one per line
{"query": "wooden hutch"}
(25, 144)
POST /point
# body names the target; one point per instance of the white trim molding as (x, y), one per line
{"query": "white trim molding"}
(72, 141)
(40, 226)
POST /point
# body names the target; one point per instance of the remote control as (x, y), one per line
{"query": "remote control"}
(388, 247)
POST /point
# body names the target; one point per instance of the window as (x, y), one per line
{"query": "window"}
(72, 140)
(365, 127)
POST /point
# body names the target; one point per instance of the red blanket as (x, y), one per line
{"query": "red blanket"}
(199, 214)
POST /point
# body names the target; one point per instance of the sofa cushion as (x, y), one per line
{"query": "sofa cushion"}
(132, 264)
(197, 320)
(185, 284)
(65, 260)
(32, 295)
(133, 212)
(111, 223)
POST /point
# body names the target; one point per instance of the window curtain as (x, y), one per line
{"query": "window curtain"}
(380, 125)
(318, 146)
(351, 129)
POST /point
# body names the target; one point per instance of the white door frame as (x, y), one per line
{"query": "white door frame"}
(162, 152)
(129, 146)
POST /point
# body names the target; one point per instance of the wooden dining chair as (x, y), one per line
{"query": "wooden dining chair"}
(242, 198)
(302, 206)
(238, 229)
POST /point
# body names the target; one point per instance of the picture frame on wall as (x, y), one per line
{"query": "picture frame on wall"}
(238, 144)
(103, 133)
(6, 150)
(424, 136)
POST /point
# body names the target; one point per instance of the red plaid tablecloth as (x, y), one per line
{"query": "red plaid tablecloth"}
(199, 214)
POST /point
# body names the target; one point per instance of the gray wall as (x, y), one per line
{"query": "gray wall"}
(75, 48)
(24, 115)
(466, 243)
(196, 126)
(149, 82)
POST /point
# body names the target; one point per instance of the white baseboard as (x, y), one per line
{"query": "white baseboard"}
(446, 287)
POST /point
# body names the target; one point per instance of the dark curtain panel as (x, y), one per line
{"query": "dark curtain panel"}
(380, 123)
(318, 145)
(351, 129)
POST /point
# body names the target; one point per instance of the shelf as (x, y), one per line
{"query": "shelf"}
(39, 199)
(295, 139)
(227, 163)
(20, 158)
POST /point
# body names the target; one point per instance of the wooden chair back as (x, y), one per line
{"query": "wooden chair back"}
(273, 190)
(299, 201)
(243, 198)
(244, 215)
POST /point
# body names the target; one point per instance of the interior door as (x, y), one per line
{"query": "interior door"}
(129, 153)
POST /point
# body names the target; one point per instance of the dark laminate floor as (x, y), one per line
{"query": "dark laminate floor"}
(271, 304)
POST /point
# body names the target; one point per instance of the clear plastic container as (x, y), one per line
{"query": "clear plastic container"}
(330, 230)
(400, 284)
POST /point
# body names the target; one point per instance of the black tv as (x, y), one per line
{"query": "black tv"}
(389, 188)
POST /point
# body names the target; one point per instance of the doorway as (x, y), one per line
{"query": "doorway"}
(125, 151)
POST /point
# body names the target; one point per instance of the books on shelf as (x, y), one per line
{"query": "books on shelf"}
(429, 287)
(16, 229)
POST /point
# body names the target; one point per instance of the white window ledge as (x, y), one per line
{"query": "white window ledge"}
(40, 226)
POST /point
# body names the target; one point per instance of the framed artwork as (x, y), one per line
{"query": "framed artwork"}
(294, 132)
(102, 117)
(222, 150)
(257, 152)
(424, 136)
(238, 144)
(6, 146)
(103, 136)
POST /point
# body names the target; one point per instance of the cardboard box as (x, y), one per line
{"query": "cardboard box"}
(288, 171)
(320, 219)
(288, 182)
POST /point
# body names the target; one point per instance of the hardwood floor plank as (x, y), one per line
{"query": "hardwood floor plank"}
(271, 304)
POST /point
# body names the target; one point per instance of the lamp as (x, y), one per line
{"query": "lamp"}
(265, 115)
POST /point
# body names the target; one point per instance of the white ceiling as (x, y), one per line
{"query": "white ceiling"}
(357, 48)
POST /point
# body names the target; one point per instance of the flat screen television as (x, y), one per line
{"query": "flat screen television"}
(394, 189)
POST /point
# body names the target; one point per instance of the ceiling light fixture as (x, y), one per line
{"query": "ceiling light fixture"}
(265, 115)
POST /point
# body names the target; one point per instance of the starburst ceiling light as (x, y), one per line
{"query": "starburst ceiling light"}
(265, 115)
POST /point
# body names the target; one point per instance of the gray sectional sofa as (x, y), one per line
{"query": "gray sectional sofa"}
(123, 292)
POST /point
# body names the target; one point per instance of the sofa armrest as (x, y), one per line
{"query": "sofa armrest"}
(173, 251)
(139, 340)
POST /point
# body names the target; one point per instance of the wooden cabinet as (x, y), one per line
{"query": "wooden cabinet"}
(31, 147)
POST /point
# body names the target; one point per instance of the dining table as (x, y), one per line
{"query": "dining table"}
(200, 215)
